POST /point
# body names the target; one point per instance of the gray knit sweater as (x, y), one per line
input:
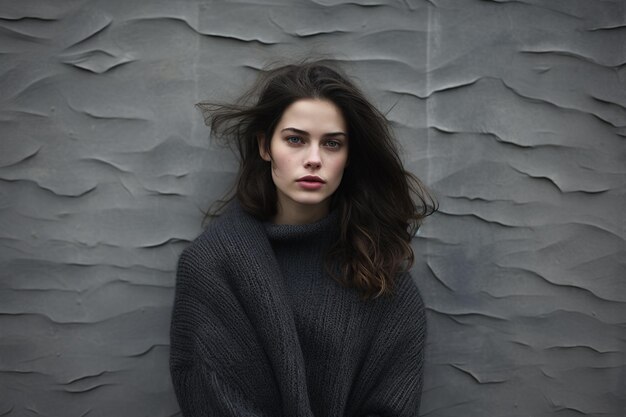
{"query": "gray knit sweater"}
(259, 328)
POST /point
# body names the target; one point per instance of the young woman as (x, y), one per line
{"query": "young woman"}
(296, 300)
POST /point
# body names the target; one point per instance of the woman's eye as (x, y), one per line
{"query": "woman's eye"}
(333, 144)
(293, 139)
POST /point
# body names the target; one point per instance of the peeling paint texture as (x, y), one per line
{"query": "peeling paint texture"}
(513, 112)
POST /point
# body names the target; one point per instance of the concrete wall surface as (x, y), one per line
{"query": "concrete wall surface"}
(513, 112)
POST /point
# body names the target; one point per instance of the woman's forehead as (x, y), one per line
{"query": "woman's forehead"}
(313, 116)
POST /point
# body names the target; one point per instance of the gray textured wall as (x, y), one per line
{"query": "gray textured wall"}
(514, 112)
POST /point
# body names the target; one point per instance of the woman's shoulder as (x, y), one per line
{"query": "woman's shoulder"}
(207, 257)
(406, 297)
(224, 234)
(407, 310)
(208, 242)
(398, 317)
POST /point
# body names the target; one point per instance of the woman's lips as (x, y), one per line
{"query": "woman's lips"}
(310, 182)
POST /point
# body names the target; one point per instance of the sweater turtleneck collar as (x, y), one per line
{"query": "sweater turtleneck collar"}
(298, 232)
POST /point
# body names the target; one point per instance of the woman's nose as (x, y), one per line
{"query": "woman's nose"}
(313, 164)
(313, 159)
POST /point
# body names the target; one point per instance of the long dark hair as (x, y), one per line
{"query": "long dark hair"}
(380, 204)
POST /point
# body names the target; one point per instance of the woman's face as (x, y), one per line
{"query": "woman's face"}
(309, 151)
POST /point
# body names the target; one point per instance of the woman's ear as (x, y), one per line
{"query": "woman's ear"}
(260, 137)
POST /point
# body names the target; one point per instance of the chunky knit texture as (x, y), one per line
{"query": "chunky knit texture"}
(260, 329)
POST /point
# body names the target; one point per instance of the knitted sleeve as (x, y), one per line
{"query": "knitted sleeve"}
(216, 363)
(393, 372)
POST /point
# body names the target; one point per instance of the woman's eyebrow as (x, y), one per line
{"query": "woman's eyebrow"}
(298, 131)
(305, 133)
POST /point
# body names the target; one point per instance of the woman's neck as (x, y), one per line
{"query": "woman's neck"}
(300, 213)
